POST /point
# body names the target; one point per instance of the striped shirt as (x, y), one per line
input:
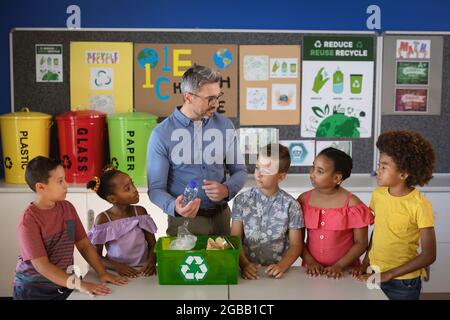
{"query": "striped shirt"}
(47, 232)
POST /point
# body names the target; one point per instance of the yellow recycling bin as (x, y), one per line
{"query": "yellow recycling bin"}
(25, 135)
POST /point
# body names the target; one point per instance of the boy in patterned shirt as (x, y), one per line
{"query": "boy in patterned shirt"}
(268, 219)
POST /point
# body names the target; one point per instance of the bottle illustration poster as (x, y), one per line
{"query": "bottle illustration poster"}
(49, 62)
(337, 91)
(101, 76)
(158, 69)
(269, 84)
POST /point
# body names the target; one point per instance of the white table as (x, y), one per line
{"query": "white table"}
(147, 288)
(294, 285)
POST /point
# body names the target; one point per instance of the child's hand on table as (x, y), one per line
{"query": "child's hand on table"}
(334, 272)
(275, 270)
(110, 278)
(250, 271)
(314, 269)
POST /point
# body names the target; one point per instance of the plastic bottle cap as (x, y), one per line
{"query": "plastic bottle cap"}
(192, 184)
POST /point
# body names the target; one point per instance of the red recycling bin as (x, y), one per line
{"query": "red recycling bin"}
(82, 144)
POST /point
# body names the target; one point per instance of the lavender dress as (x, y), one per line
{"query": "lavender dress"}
(124, 239)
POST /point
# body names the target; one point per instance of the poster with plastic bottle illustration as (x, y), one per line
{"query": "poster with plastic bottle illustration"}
(49, 63)
(269, 84)
(337, 91)
(101, 76)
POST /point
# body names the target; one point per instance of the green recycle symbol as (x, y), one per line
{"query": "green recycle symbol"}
(194, 268)
(359, 44)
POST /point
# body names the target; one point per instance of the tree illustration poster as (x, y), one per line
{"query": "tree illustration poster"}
(337, 91)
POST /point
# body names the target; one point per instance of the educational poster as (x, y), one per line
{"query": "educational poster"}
(412, 73)
(411, 100)
(413, 49)
(158, 69)
(49, 63)
(337, 90)
(269, 85)
(252, 139)
(413, 58)
(101, 76)
(345, 146)
(301, 152)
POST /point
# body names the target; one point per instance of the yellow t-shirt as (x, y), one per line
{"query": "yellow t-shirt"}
(396, 234)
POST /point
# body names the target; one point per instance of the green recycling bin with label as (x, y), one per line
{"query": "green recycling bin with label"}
(128, 136)
(198, 266)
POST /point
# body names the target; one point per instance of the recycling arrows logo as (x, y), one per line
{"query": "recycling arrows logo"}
(8, 163)
(115, 163)
(194, 268)
(67, 164)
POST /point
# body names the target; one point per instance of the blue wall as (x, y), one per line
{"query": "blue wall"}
(414, 15)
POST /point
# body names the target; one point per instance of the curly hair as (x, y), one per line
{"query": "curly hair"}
(411, 152)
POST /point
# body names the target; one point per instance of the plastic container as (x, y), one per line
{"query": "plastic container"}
(197, 266)
(82, 137)
(338, 81)
(25, 135)
(128, 136)
(190, 192)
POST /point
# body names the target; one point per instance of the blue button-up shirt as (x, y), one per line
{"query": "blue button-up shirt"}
(180, 150)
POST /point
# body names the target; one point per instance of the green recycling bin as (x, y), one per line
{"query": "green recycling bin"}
(128, 136)
(198, 266)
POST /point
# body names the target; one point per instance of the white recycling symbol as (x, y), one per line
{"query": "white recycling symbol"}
(194, 268)
(356, 84)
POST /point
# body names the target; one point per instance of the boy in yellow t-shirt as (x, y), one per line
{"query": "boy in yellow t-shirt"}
(403, 216)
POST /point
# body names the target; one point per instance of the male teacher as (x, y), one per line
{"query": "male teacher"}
(196, 143)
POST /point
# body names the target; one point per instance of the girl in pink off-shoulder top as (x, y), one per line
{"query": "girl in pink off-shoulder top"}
(336, 220)
(126, 230)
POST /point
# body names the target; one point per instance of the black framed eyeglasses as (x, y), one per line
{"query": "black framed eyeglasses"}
(211, 100)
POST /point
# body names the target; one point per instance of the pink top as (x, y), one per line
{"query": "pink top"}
(124, 239)
(330, 230)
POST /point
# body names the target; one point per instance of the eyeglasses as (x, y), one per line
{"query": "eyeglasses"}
(211, 100)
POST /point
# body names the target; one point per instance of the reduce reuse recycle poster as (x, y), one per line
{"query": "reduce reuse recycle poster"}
(337, 91)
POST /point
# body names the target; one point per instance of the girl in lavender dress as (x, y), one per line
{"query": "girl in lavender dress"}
(126, 230)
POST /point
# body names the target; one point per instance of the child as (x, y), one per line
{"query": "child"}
(48, 230)
(335, 219)
(403, 216)
(126, 230)
(268, 219)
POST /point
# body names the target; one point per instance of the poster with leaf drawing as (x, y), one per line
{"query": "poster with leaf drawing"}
(269, 83)
(337, 91)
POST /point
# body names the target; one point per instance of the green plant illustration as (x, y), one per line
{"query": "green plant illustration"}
(336, 124)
